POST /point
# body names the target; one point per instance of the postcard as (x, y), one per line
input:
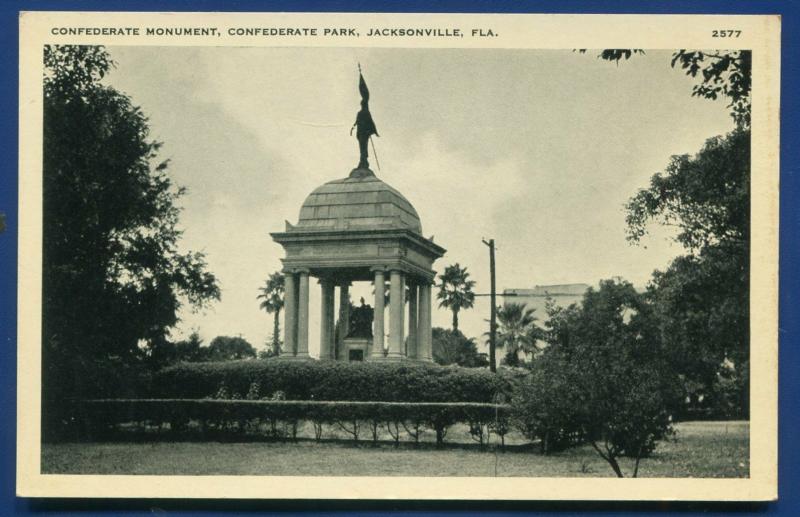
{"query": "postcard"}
(398, 256)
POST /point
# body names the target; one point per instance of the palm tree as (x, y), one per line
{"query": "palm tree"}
(272, 296)
(455, 291)
(517, 329)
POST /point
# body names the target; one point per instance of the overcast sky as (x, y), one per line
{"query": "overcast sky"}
(537, 149)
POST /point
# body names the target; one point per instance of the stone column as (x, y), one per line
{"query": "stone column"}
(302, 315)
(413, 331)
(424, 337)
(289, 315)
(326, 320)
(396, 306)
(377, 318)
(344, 317)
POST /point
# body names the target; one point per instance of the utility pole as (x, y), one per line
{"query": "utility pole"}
(493, 313)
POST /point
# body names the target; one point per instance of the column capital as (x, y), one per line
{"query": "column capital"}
(420, 281)
(378, 269)
(295, 270)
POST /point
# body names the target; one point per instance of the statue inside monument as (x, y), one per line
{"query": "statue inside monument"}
(361, 321)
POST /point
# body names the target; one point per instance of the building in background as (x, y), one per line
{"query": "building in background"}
(561, 294)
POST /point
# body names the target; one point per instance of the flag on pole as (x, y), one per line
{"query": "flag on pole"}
(362, 87)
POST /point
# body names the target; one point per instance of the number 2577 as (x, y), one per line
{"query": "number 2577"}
(726, 33)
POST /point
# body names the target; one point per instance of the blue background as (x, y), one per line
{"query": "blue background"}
(789, 472)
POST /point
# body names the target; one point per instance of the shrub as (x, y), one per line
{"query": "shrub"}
(313, 380)
(240, 415)
(605, 375)
(546, 406)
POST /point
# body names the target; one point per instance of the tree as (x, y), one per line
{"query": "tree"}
(191, 349)
(706, 196)
(268, 351)
(162, 353)
(702, 299)
(113, 277)
(225, 348)
(722, 74)
(452, 347)
(546, 405)
(272, 301)
(701, 304)
(517, 331)
(621, 390)
(455, 291)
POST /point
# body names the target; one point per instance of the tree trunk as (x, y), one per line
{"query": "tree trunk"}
(638, 458)
(455, 319)
(615, 466)
(609, 458)
(276, 334)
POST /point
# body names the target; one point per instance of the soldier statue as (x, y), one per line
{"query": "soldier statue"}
(361, 321)
(364, 125)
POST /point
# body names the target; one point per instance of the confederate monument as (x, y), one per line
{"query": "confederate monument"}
(359, 229)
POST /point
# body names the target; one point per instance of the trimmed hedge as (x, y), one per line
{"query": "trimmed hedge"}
(240, 415)
(331, 381)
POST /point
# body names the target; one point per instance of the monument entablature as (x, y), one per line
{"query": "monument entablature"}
(355, 255)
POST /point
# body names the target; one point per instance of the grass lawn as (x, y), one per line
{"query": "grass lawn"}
(700, 449)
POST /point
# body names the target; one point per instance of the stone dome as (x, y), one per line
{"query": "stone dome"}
(358, 202)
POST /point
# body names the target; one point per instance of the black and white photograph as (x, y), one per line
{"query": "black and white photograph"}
(399, 261)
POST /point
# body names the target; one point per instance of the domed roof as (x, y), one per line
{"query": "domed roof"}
(358, 202)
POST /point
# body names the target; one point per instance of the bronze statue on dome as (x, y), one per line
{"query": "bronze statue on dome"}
(364, 125)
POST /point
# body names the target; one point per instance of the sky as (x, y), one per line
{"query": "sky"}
(538, 149)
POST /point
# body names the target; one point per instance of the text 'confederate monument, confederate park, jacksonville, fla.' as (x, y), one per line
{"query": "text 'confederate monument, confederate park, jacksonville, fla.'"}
(359, 229)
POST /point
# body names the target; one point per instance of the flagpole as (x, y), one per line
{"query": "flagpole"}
(375, 153)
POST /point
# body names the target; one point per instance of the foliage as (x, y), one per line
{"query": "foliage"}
(272, 301)
(452, 347)
(221, 348)
(701, 300)
(721, 73)
(517, 332)
(701, 305)
(113, 277)
(314, 380)
(269, 350)
(225, 348)
(724, 73)
(603, 377)
(236, 415)
(165, 352)
(707, 196)
(545, 405)
(455, 290)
